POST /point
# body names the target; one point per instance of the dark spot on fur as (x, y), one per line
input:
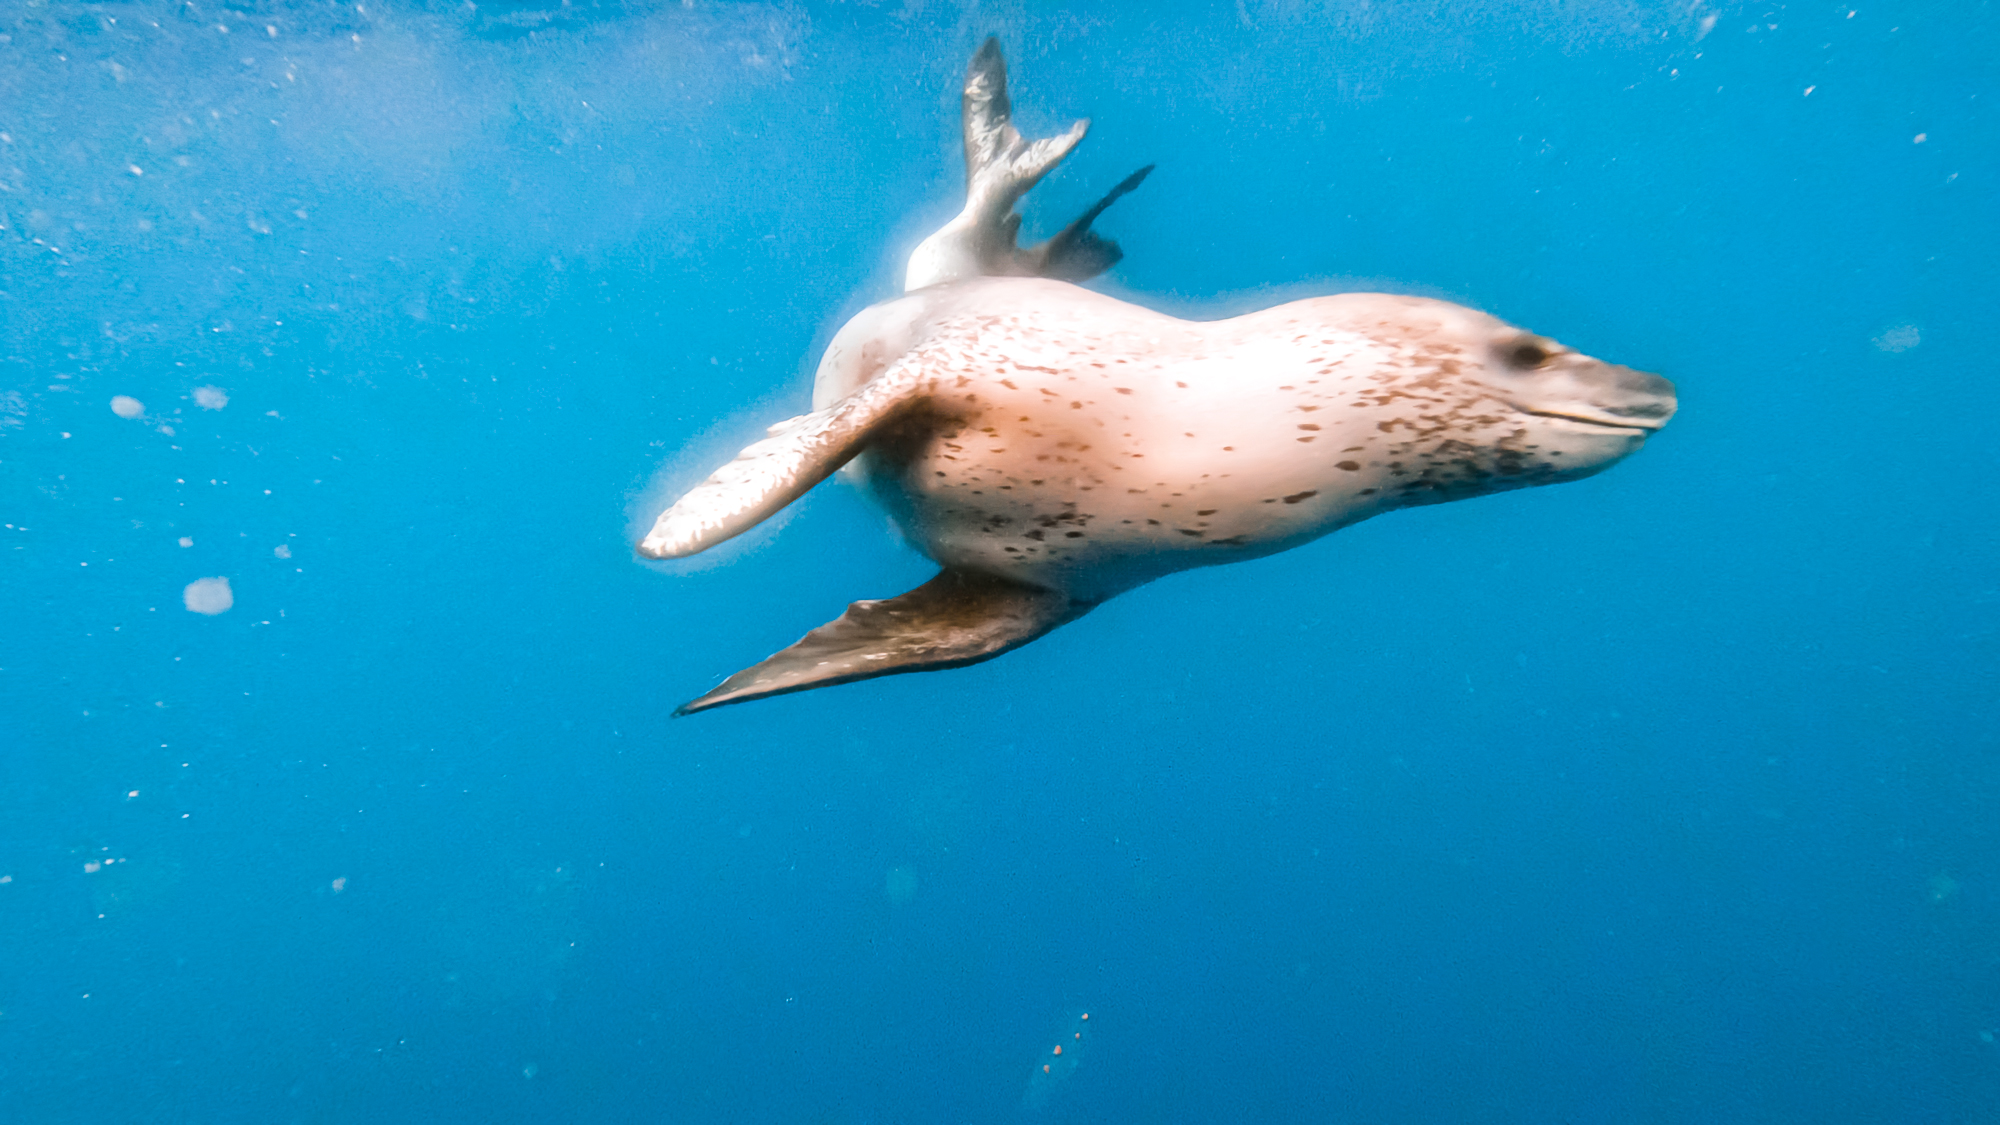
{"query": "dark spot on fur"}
(1121, 390)
(1307, 426)
(1350, 466)
(1185, 531)
(1036, 534)
(1298, 496)
(1207, 511)
(1072, 535)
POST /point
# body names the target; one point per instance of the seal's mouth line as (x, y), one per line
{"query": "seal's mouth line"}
(1600, 423)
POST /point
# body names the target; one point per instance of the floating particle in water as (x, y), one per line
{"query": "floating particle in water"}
(187, 540)
(282, 550)
(125, 406)
(210, 398)
(1061, 1061)
(208, 596)
(1901, 338)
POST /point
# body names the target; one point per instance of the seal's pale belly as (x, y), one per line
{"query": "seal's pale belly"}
(1083, 477)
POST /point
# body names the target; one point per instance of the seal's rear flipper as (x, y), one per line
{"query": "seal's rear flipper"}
(799, 453)
(955, 619)
(1078, 253)
(1000, 167)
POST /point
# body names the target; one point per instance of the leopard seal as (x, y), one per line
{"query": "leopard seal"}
(1051, 447)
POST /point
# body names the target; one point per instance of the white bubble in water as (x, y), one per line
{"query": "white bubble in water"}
(1901, 338)
(208, 595)
(210, 398)
(187, 540)
(125, 406)
(282, 551)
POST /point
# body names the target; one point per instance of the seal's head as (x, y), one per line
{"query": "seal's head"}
(1466, 404)
(1595, 412)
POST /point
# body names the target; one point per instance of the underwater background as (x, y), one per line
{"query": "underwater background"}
(1668, 795)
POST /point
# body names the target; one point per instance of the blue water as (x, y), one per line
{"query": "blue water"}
(1672, 795)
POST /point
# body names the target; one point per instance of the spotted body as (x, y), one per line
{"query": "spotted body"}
(1073, 441)
(1051, 447)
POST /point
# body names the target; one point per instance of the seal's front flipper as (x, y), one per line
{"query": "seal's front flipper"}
(955, 619)
(798, 454)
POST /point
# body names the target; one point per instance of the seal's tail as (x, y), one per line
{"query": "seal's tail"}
(1000, 167)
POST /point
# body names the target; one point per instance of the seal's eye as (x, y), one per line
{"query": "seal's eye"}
(1527, 352)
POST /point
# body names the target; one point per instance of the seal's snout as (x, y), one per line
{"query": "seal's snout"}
(1639, 397)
